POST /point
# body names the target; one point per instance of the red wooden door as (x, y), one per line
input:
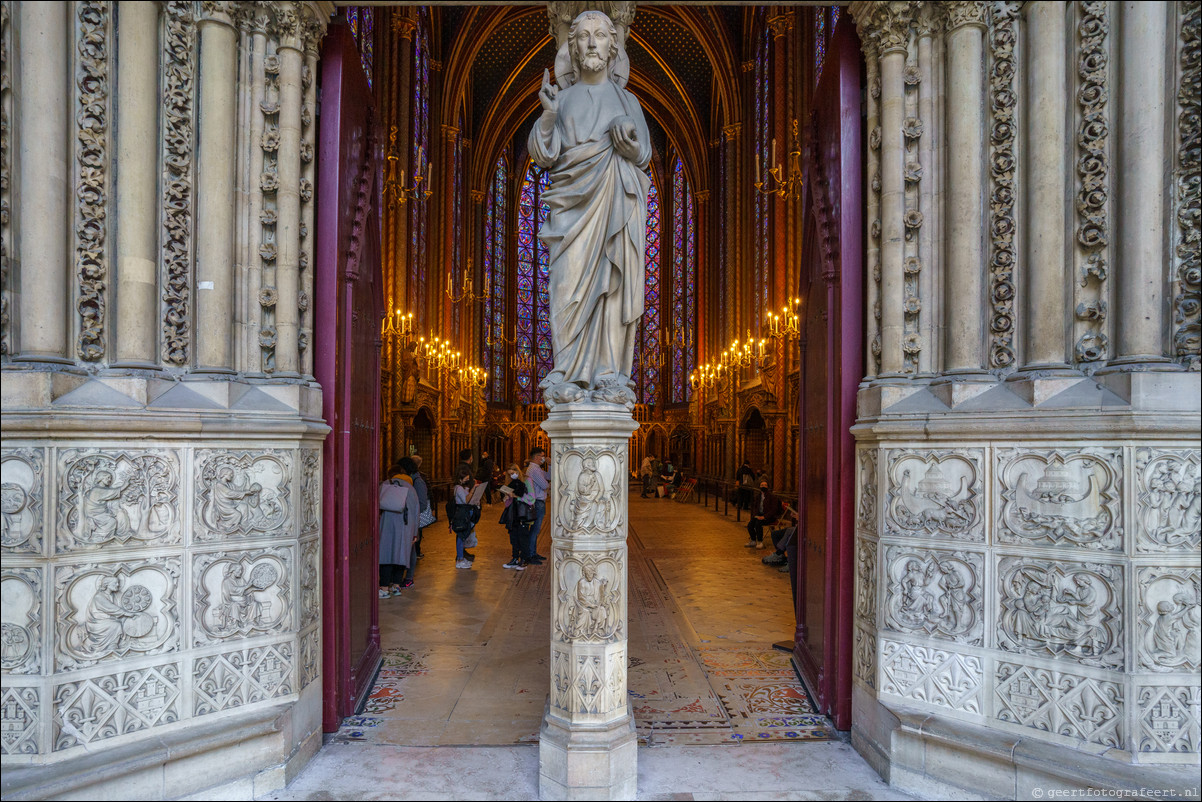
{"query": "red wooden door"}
(832, 293)
(348, 308)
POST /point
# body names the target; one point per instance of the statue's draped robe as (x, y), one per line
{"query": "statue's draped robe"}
(595, 233)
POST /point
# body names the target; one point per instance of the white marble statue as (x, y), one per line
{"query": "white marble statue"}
(593, 138)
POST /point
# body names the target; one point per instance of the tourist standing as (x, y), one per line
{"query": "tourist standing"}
(645, 474)
(745, 478)
(463, 519)
(537, 483)
(484, 475)
(398, 527)
(425, 504)
(517, 517)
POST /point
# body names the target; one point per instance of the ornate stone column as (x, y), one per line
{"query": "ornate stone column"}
(43, 98)
(288, 196)
(965, 231)
(588, 745)
(215, 188)
(136, 192)
(1141, 255)
(892, 39)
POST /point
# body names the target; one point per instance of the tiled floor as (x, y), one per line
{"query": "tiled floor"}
(466, 666)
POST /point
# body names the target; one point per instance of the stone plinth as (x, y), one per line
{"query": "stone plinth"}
(587, 746)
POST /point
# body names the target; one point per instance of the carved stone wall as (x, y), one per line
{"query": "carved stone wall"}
(160, 526)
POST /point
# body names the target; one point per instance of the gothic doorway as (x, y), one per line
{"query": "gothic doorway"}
(756, 448)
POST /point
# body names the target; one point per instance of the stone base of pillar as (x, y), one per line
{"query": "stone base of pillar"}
(580, 761)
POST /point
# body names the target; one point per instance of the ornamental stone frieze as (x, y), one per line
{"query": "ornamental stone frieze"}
(934, 593)
(1168, 490)
(242, 494)
(932, 675)
(21, 500)
(936, 495)
(1065, 703)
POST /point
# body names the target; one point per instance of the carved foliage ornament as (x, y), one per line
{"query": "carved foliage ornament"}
(1093, 132)
(935, 494)
(310, 582)
(21, 500)
(590, 495)
(1187, 290)
(178, 81)
(309, 662)
(6, 237)
(107, 611)
(92, 155)
(117, 497)
(866, 508)
(1060, 498)
(1168, 499)
(935, 593)
(242, 494)
(866, 553)
(1061, 610)
(864, 657)
(1003, 106)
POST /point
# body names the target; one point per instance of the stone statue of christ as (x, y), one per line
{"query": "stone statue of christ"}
(593, 138)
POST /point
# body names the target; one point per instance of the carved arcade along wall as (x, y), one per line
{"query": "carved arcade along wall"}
(160, 530)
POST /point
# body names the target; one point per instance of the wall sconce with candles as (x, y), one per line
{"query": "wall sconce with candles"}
(778, 183)
(394, 189)
(398, 326)
(465, 292)
(787, 324)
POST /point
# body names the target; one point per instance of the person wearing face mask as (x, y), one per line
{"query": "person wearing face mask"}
(463, 520)
(517, 520)
(536, 481)
(764, 512)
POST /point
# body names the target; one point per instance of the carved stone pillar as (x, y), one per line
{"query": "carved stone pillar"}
(587, 745)
(42, 116)
(892, 41)
(1140, 338)
(288, 196)
(136, 192)
(215, 188)
(965, 240)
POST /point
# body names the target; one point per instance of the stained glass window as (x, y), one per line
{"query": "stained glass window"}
(762, 208)
(362, 23)
(819, 41)
(458, 268)
(533, 331)
(646, 371)
(418, 162)
(684, 276)
(495, 269)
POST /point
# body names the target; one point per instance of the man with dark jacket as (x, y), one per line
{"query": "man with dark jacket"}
(745, 479)
(764, 512)
(484, 474)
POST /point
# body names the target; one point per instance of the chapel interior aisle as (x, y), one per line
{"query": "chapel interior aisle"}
(465, 652)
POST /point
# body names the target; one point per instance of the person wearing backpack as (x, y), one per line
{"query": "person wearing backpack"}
(398, 528)
(463, 516)
(518, 516)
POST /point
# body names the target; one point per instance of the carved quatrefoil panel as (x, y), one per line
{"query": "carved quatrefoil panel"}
(1065, 610)
(242, 593)
(590, 596)
(21, 496)
(21, 616)
(1061, 703)
(1168, 499)
(591, 491)
(118, 498)
(1170, 618)
(241, 494)
(1061, 498)
(936, 593)
(936, 494)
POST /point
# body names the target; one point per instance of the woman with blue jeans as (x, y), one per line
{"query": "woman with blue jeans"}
(463, 490)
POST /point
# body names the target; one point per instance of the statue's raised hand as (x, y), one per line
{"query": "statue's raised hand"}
(548, 94)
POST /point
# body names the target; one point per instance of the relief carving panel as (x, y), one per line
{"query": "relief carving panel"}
(592, 484)
(1170, 618)
(930, 675)
(310, 510)
(21, 494)
(115, 497)
(108, 611)
(310, 582)
(241, 593)
(1169, 719)
(20, 710)
(310, 657)
(590, 603)
(1061, 610)
(242, 494)
(21, 615)
(936, 494)
(234, 679)
(866, 507)
(1054, 498)
(1168, 499)
(936, 593)
(589, 683)
(1060, 703)
(864, 657)
(866, 553)
(96, 709)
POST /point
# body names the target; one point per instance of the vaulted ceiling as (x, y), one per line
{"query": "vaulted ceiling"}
(684, 70)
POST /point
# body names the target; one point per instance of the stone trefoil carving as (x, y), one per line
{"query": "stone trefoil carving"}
(1187, 289)
(1003, 104)
(1061, 610)
(117, 497)
(92, 155)
(21, 629)
(1093, 173)
(179, 83)
(935, 494)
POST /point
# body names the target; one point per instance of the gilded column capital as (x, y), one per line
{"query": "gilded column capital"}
(449, 132)
(781, 24)
(962, 13)
(749, 65)
(403, 24)
(885, 23)
(702, 195)
(731, 132)
(477, 196)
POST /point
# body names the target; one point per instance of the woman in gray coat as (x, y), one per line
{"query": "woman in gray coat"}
(397, 531)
